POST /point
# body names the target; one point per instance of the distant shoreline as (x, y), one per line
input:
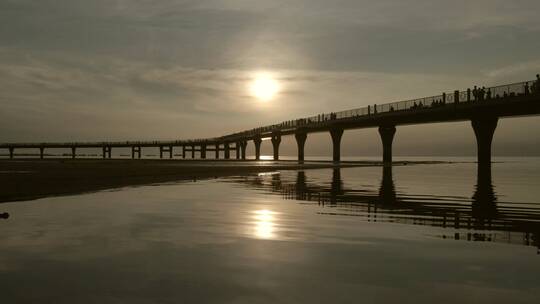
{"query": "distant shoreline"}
(30, 179)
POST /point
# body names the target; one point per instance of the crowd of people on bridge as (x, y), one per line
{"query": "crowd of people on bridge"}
(480, 94)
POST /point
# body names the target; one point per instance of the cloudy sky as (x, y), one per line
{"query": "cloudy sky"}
(168, 69)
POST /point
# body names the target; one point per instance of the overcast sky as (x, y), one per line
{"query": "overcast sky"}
(171, 69)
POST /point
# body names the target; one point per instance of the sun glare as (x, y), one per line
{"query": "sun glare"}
(264, 87)
(264, 224)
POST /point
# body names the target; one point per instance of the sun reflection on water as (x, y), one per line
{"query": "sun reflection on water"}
(264, 224)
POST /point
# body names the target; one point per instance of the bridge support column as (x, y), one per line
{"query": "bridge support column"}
(184, 152)
(136, 150)
(227, 150)
(107, 151)
(243, 146)
(168, 149)
(193, 151)
(387, 137)
(203, 151)
(73, 152)
(300, 142)
(257, 141)
(217, 151)
(41, 152)
(237, 150)
(484, 129)
(276, 140)
(11, 152)
(336, 141)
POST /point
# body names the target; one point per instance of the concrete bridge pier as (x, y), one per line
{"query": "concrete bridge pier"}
(73, 152)
(184, 152)
(484, 127)
(237, 146)
(193, 151)
(107, 151)
(300, 142)
(257, 141)
(243, 146)
(336, 141)
(11, 152)
(276, 140)
(41, 152)
(163, 149)
(387, 137)
(217, 151)
(135, 150)
(227, 150)
(203, 151)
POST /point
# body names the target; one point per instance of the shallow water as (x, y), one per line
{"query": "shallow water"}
(418, 233)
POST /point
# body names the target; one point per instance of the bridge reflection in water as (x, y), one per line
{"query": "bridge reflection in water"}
(476, 218)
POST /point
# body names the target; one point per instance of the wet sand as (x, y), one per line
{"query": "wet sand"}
(28, 179)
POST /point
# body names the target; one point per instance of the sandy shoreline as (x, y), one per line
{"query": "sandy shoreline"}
(28, 179)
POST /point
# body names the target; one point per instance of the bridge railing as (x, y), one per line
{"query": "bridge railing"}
(114, 143)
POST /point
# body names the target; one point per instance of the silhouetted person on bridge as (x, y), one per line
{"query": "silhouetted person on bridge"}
(535, 88)
(481, 93)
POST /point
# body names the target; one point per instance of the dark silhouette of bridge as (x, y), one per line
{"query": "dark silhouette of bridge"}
(483, 107)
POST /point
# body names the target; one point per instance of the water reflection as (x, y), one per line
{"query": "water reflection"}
(387, 191)
(484, 200)
(264, 222)
(476, 218)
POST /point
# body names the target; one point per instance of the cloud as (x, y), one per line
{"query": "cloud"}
(529, 68)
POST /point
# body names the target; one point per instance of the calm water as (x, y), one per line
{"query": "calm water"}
(422, 233)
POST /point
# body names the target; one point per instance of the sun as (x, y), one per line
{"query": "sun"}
(264, 87)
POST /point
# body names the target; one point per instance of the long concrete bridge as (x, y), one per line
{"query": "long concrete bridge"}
(483, 107)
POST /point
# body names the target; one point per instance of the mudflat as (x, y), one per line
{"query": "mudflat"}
(27, 179)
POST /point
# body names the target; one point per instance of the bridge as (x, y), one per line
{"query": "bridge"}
(482, 106)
